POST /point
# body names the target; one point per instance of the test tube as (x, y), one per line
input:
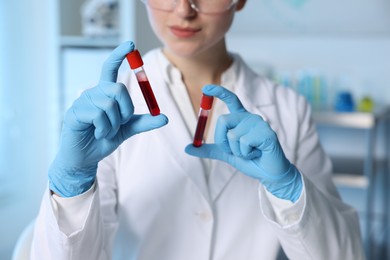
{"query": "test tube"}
(136, 64)
(205, 106)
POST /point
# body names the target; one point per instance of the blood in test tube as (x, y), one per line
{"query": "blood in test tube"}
(205, 106)
(136, 64)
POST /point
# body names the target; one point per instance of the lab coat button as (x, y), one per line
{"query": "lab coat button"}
(205, 216)
(294, 217)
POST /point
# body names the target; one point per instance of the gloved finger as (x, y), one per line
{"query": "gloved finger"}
(231, 100)
(249, 130)
(94, 108)
(110, 111)
(101, 111)
(213, 151)
(102, 124)
(119, 93)
(209, 151)
(224, 124)
(234, 142)
(241, 140)
(261, 136)
(113, 62)
(243, 123)
(141, 123)
(248, 148)
(110, 106)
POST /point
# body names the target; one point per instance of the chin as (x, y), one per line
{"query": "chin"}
(181, 52)
(186, 50)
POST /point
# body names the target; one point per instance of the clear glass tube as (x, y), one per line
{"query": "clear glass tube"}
(147, 91)
(204, 110)
(136, 64)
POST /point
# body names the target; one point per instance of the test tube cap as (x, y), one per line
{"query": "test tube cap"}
(206, 102)
(134, 59)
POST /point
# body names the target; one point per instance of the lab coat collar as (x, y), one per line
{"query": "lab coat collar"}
(239, 78)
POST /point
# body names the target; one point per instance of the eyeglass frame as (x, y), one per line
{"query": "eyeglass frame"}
(193, 6)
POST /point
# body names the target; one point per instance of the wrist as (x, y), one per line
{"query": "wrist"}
(286, 186)
(70, 181)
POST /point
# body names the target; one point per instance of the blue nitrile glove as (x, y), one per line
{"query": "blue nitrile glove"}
(96, 124)
(248, 143)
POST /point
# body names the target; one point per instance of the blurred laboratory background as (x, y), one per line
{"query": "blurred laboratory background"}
(335, 53)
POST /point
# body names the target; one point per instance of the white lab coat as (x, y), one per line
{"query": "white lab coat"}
(153, 201)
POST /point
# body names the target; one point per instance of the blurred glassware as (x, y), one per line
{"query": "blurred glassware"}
(366, 104)
(344, 102)
(100, 18)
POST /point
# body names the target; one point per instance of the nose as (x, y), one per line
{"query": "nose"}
(184, 9)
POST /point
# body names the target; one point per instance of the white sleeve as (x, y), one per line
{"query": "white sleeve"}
(319, 225)
(325, 229)
(87, 237)
(71, 213)
(284, 212)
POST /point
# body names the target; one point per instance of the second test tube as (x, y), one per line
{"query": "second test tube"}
(136, 64)
(205, 106)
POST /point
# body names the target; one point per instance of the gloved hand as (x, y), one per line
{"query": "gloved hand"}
(95, 125)
(248, 143)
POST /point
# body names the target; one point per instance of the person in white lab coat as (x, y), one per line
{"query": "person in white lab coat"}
(260, 181)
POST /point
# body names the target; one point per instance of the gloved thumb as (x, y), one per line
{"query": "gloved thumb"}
(213, 151)
(141, 123)
(210, 151)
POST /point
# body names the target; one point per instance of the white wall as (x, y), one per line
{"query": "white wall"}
(28, 112)
(346, 42)
(361, 63)
(331, 17)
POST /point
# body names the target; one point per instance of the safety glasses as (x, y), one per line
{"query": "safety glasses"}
(200, 6)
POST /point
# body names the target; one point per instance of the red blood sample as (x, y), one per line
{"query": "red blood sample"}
(205, 106)
(136, 64)
(149, 97)
(200, 128)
